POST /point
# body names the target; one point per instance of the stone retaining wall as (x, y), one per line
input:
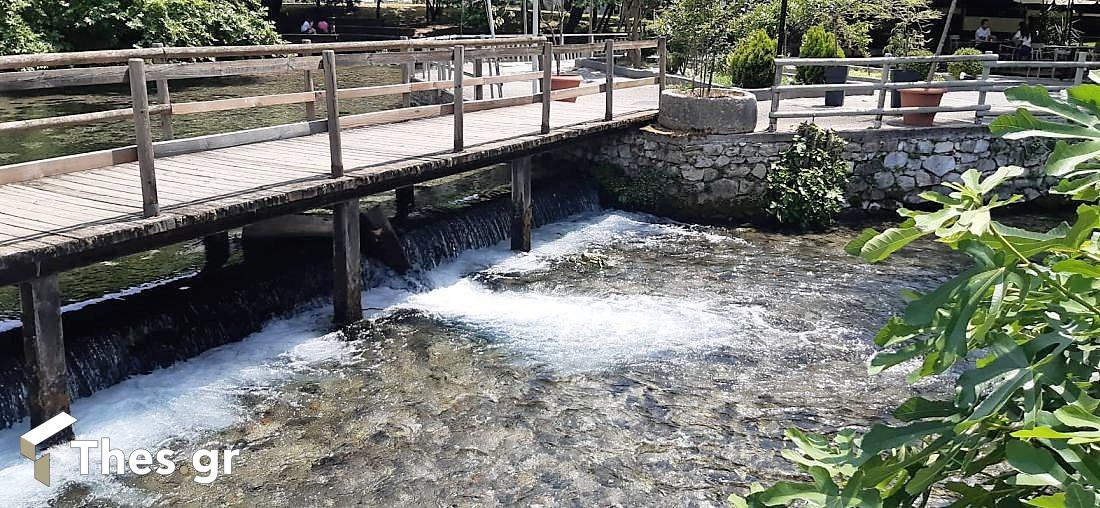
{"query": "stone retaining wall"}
(722, 176)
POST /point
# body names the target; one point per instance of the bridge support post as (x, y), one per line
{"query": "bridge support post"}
(44, 352)
(479, 90)
(406, 200)
(335, 149)
(521, 204)
(347, 274)
(216, 248)
(144, 138)
(164, 98)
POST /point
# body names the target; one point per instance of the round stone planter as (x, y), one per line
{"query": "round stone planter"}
(725, 111)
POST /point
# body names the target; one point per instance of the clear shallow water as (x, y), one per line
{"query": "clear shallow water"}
(623, 361)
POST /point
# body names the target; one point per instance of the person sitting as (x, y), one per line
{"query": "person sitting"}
(983, 33)
(322, 27)
(1022, 38)
(307, 26)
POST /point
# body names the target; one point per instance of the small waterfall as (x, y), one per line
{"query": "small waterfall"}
(109, 341)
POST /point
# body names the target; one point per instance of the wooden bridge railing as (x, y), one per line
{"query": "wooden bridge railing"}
(982, 84)
(280, 59)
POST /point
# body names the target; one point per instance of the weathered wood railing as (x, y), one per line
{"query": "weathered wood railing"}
(305, 58)
(982, 84)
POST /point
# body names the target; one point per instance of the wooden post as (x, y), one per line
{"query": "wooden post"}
(347, 274)
(547, 76)
(662, 67)
(1079, 77)
(216, 249)
(335, 149)
(457, 61)
(882, 91)
(311, 107)
(773, 122)
(479, 90)
(986, 66)
(44, 352)
(144, 138)
(407, 70)
(609, 69)
(163, 97)
(521, 204)
(405, 200)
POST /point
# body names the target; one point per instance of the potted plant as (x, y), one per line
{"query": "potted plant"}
(752, 62)
(817, 43)
(927, 96)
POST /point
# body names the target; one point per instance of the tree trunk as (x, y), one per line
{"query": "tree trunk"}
(575, 14)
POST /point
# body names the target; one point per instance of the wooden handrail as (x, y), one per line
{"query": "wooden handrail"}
(892, 60)
(179, 53)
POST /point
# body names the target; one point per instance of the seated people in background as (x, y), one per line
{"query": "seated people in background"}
(983, 33)
(322, 26)
(1022, 38)
(307, 26)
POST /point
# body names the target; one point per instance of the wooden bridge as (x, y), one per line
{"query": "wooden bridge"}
(64, 212)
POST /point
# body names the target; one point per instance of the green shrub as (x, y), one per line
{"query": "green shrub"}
(817, 43)
(805, 188)
(752, 63)
(972, 68)
(16, 37)
(647, 190)
(921, 68)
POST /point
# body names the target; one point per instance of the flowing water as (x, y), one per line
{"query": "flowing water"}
(625, 360)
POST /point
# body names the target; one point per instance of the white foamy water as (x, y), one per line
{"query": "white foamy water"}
(186, 401)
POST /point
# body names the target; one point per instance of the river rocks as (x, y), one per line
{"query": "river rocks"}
(724, 175)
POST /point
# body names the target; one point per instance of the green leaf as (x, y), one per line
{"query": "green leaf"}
(1078, 497)
(1076, 416)
(918, 408)
(1037, 465)
(1077, 266)
(882, 245)
(998, 177)
(1023, 124)
(1086, 96)
(1051, 501)
(856, 245)
(881, 437)
(1066, 157)
(1039, 99)
(1042, 432)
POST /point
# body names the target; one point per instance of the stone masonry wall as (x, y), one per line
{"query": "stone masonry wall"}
(722, 176)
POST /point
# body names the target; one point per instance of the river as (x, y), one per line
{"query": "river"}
(625, 360)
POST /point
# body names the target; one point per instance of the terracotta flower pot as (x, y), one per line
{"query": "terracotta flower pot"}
(563, 81)
(917, 98)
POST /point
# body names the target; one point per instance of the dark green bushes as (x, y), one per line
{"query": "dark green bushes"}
(805, 188)
(971, 69)
(817, 43)
(752, 62)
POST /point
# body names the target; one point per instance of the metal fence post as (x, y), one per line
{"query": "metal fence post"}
(609, 69)
(982, 83)
(457, 60)
(332, 104)
(311, 107)
(547, 76)
(144, 139)
(882, 90)
(164, 98)
(773, 122)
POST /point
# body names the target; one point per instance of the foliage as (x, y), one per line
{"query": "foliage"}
(78, 25)
(805, 188)
(1055, 26)
(817, 43)
(971, 68)
(646, 190)
(1024, 425)
(16, 37)
(921, 68)
(698, 32)
(752, 63)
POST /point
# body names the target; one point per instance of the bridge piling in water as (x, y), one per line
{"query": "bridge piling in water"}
(44, 351)
(347, 267)
(405, 201)
(521, 203)
(216, 249)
